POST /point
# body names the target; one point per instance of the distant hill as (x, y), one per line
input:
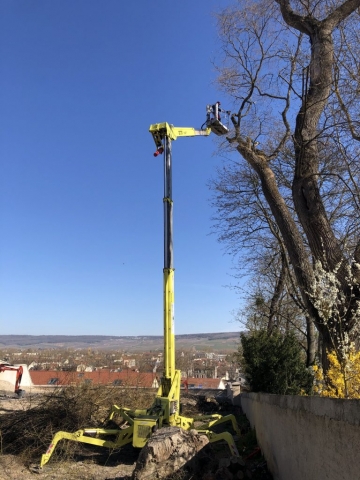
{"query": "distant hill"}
(199, 341)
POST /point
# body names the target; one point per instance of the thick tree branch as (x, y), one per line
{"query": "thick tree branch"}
(340, 14)
(301, 23)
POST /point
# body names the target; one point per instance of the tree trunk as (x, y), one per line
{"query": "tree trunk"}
(274, 304)
(311, 342)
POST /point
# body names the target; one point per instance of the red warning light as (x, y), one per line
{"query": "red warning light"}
(159, 151)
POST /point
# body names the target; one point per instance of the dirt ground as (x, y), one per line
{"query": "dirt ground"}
(11, 468)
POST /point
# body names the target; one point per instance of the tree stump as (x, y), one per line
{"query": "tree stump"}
(168, 450)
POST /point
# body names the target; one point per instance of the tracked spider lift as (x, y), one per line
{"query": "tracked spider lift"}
(165, 411)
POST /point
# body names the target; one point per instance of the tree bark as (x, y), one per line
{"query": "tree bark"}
(311, 342)
(276, 296)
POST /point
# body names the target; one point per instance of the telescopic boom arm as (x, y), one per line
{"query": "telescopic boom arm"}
(163, 134)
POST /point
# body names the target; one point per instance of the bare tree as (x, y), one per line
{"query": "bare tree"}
(274, 303)
(245, 224)
(292, 70)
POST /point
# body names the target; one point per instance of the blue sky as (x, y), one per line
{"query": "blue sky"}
(81, 211)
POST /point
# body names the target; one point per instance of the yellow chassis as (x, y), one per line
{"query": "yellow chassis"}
(142, 423)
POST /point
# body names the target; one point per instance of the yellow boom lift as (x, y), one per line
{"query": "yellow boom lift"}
(165, 411)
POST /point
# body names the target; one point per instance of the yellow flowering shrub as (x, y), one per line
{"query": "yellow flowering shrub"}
(343, 378)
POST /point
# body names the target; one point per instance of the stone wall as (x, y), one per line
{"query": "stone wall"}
(306, 438)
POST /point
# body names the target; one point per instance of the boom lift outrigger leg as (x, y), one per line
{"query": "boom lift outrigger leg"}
(164, 411)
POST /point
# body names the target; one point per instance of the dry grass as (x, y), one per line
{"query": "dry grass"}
(28, 433)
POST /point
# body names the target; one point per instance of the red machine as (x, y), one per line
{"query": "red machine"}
(19, 371)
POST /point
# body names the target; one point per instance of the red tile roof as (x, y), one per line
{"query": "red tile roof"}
(103, 377)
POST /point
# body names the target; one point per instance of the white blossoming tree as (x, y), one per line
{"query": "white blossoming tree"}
(291, 69)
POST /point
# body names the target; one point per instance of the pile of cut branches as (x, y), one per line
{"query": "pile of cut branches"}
(29, 432)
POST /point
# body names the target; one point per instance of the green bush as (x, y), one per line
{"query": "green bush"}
(274, 364)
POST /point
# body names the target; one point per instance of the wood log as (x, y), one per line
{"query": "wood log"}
(168, 450)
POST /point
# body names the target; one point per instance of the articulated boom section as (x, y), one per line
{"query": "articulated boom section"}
(160, 131)
(139, 425)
